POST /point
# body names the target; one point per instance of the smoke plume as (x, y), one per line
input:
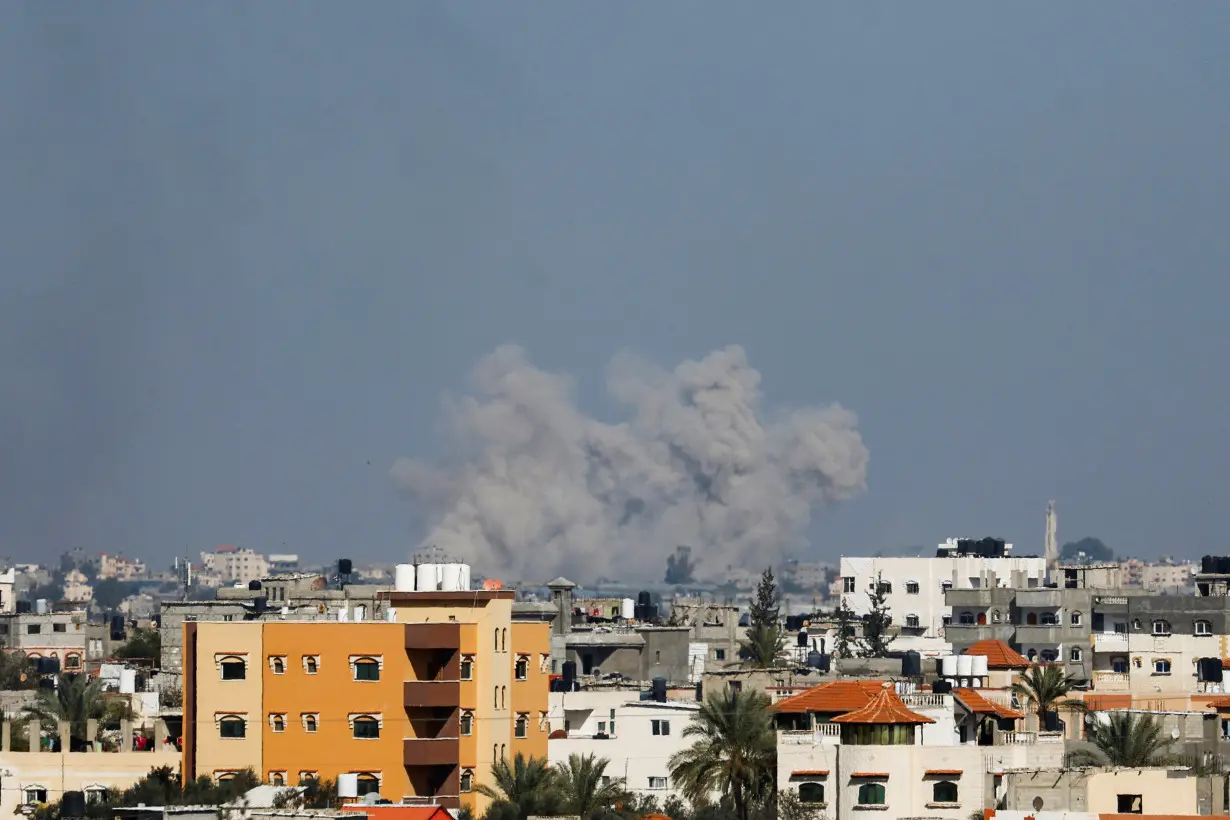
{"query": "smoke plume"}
(541, 489)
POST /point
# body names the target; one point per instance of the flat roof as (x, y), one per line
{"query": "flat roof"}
(442, 596)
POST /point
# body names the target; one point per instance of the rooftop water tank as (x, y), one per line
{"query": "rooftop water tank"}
(40, 606)
(403, 578)
(348, 785)
(128, 681)
(427, 577)
(965, 666)
(980, 666)
(465, 576)
(627, 609)
(450, 577)
(948, 666)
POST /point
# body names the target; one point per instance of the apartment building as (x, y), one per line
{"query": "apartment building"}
(77, 587)
(60, 635)
(417, 706)
(8, 581)
(1168, 579)
(235, 565)
(915, 587)
(120, 567)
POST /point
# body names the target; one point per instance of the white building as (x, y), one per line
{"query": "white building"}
(637, 737)
(8, 580)
(914, 587)
(235, 565)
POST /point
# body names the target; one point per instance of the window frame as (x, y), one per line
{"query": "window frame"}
(521, 668)
(521, 726)
(1161, 626)
(466, 669)
(366, 663)
(1202, 628)
(365, 720)
(233, 720)
(946, 785)
(465, 723)
(868, 790)
(815, 787)
(913, 588)
(1158, 664)
(660, 727)
(226, 662)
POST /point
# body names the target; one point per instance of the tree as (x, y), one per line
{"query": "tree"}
(315, 794)
(142, 644)
(790, 807)
(583, 792)
(763, 647)
(521, 789)
(679, 567)
(109, 593)
(76, 700)
(1127, 739)
(735, 752)
(844, 641)
(162, 787)
(1046, 688)
(876, 640)
(16, 672)
(1087, 550)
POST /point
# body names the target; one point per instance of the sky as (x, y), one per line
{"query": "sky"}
(247, 248)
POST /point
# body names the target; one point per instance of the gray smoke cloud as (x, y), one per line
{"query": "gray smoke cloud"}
(540, 489)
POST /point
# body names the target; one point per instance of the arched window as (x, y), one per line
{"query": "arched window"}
(277, 723)
(232, 726)
(503, 751)
(467, 781)
(309, 724)
(1075, 655)
(1119, 664)
(366, 728)
(982, 618)
(277, 665)
(277, 778)
(995, 616)
(1203, 628)
(1075, 618)
(72, 661)
(811, 792)
(944, 791)
(966, 618)
(521, 726)
(467, 723)
(226, 777)
(1032, 619)
(522, 669)
(503, 696)
(1161, 627)
(497, 639)
(366, 669)
(871, 794)
(234, 668)
(1032, 655)
(495, 698)
(310, 664)
(467, 667)
(368, 784)
(504, 640)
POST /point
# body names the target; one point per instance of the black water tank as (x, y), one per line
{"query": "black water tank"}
(23, 607)
(253, 586)
(72, 804)
(570, 674)
(643, 598)
(1209, 670)
(700, 692)
(658, 689)
(941, 687)
(911, 665)
(1206, 564)
(117, 627)
(344, 566)
(1223, 565)
(825, 660)
(804, 639)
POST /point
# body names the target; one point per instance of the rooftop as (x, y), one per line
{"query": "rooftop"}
(884, 709)
(999, 655)
(839, 696)
(971, 699)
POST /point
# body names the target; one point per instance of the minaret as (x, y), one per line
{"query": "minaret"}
(1051, 549)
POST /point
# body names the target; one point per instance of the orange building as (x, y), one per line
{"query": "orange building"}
(417, 707)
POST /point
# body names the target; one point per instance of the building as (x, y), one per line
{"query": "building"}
(1161, 790)
(418, 706)
(235, 565)
(120, 567)
(283, 564)
(59, 635)
(1168, 579)
(915, 588)
(637, 737)
(77, 589)
(716, 634)
(8, 596)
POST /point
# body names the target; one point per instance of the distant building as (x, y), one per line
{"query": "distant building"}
(1169, 579)
(59, 635)
(8, 584)
(120, 567)
(77, 587)
(235, 565)
(283, 563)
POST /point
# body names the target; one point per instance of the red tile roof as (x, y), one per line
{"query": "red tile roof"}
(870, 774)
(999, 655)
(395, 812)
(810, 773)
(885, 708)
(975, 702)
(950, 772)
(834, 697)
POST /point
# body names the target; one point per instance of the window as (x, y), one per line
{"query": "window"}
(1131, 804)
(1161, 666)
(661, 727)
(884, 588)
(523, 667)
(503, 696)
(277, 665)
(995, 616)
(847, 584)
(467, 723)
(1049, 619)
(521, 727)
(1119, 664)
(95, 795)
(1075, 655)
(657, 782)
(811, 793)
(1136, 663)
(945, 586)
(966, 618)
(1075, 619)
(503, 640)
(503, 752)
(225, 777)
(277, 723)
(33, 629)
(496, 638)
(1161, 627)
(1050, 655)
(467, 667)
(719, 654)
(310, 664)
(911, 588)
(366, 669)
(307, 777)
(59, 627)
(944, 791)
(72, 662)
(366, 728)
(232, 726)
(368, 784)
(871, 794)
(36, 794)
(277, 778)
(911, 620)
(309, 723)
(234, 669)
(1203, 628)
(467, 781)
(495, 697)
(602, 727)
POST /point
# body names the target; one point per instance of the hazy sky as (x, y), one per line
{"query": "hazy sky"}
(246, 247)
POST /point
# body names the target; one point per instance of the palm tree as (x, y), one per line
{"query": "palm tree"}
(76, 700)
(1126, 739)
(584, 794)
(735, 752)
(524, 788)
(1046, 689)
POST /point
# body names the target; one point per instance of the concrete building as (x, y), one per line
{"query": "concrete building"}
(283, 564)
(1169, 579)
(120, 567)
(715, 633)
(31, 779)
(8, 584)
(915, 587)
(235, 565)
(1159, 790)
(637, 737)
(59, 635)
(417, 706)
(77, 589)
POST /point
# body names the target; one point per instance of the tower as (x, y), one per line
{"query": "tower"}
(1051, 549)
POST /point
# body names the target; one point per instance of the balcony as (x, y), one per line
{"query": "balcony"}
(966, 634)
(1110, 642)
(976, 598)
(436, 693)
(1029, 738)
(826, 734)
(446, 801)
(443, 751)
(433, 636)
(1111, 681)
(1039, 598)
(1038, 634)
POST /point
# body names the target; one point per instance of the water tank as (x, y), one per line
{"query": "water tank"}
(465, 576)
(570, 674)
(1207, 564)
(813, 660)
(403, 578)
(344, 566)
(643, 598)
(658, 690)
(40, 606)
(941, 687)
(253, 586)
(391, 616)
(980, 666)
(23, 607)
(627, 609)
(427, 577)
(128, 681)
(948, 666)
(911, 665)
(450, 577)
(360, 613)
(802, 640)
(965, 666)
(348, 785)
(72, 804)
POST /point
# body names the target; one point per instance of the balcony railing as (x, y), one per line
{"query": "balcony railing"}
(1029, 738)
(444, 751)
(1110, 641)
(447, 801)
(1110, 678)
(431, 693)
(925, 699)
(810, 737)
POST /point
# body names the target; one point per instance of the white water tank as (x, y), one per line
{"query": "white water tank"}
(965, 666)
(450, 577)
(347, 785)
(40, 606)
(128, 681)
(427, 577)
(360, 613)
(627, 609)
(980, 666)
(403, 578)
(465, 576)
(948, 666)
(342, 615)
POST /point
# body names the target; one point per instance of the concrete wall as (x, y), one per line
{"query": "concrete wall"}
(73, 771)
(215, 698)
(1163, 791)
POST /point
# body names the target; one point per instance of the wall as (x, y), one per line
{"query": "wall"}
(1164, 791)
(73, 771)
(529, 697)
(214, 696)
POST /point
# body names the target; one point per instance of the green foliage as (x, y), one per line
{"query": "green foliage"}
(790, 807)
(13, 666)
(315, 794)
(876, 638)
(844, 641)
(1046, 689)
(162, 787)
(735, 752)
(142, 644)
(582, 792)
(763, 647)
(77, 700)
(1087, 550)
(1127, 739)
(109, 593)
(522, 788)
